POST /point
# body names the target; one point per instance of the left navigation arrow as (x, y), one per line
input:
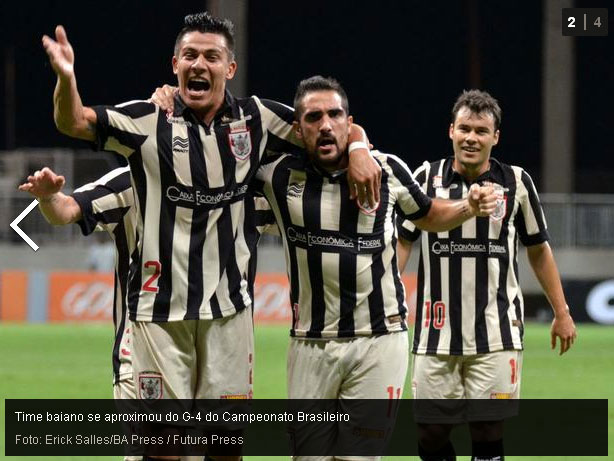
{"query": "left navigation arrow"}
(18, 219)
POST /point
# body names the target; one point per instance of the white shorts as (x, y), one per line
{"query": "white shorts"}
(194, 359)
(370, 367)
(495, 375)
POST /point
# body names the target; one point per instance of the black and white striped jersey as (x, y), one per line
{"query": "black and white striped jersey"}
(340, 258)
(106, 205)
(190, 183)
(469, 299)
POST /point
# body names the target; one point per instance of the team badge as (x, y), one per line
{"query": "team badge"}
(240, 143)
(367, 209)
(437, 182)
(501, 204)
(150, 385)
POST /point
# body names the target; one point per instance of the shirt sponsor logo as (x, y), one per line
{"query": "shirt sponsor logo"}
(452, 247)
(316, 240)
(180, 145)
(199, 197)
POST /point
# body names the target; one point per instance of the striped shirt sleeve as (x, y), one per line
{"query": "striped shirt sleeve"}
(277, 119)
(530, 221)
(105, 201)
(125, 127)
(411, 201)
(405, 227)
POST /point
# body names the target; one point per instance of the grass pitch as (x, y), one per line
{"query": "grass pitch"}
(74, 361)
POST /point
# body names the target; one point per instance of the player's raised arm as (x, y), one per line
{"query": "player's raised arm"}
(57, 208)
(364, 173)
(71, 117)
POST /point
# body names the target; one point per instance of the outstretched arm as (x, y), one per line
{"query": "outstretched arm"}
(70, 116)
(57, 208)
(448, 214)
(543, 264)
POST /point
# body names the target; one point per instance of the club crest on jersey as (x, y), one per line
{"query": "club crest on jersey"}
(437, 182)
(365, 208)
(150, 385)
(240, 143)
(501, 204)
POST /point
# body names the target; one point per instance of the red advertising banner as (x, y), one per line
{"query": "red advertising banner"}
(80, 297)
(13, 296)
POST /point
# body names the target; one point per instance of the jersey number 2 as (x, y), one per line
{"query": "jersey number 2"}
(437, 312)
(157, 269)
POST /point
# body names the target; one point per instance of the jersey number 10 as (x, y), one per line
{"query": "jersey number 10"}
(436, 312)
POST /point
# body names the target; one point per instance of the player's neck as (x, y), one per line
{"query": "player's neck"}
(471, 172)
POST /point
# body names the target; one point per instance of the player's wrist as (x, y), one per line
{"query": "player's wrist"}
(45, 198)
(357, 145)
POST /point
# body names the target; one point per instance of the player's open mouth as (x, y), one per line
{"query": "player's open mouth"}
(197, 87)
(326, 144)
(470, 149)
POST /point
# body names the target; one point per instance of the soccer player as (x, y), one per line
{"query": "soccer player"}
(349, 335)
(188, 294)
(107, 205)
(469, 320)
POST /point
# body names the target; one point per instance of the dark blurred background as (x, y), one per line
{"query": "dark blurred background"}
(402, 63)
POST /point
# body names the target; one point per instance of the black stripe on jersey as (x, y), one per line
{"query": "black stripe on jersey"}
(517, 303)
(377, 312)
(502, 299)
(282, 111)
(435, 275)
(121, 280)
(226, 238)
(348, 222)
(398, 283)
(253, 218)
(166, 226)
(481, 284)
(455, 281)
(136, 261)
(198, 228)
(542, 235)
(312, 199)
(280, 182)
(419, 305)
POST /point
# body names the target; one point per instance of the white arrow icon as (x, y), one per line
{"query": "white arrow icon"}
(18, 219)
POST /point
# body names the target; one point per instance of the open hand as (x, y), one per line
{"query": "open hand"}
(43, 184)
(61, 55)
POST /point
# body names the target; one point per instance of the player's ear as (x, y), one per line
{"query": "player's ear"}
(174, 63)
(297, 129)
(451, 131)
(232, 68)
(496, 138)
(350, 121)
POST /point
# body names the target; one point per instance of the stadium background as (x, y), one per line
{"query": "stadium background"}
(402, 64)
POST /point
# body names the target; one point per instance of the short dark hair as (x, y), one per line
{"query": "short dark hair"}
(205, 23)
(318, 83)
(478, 101)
